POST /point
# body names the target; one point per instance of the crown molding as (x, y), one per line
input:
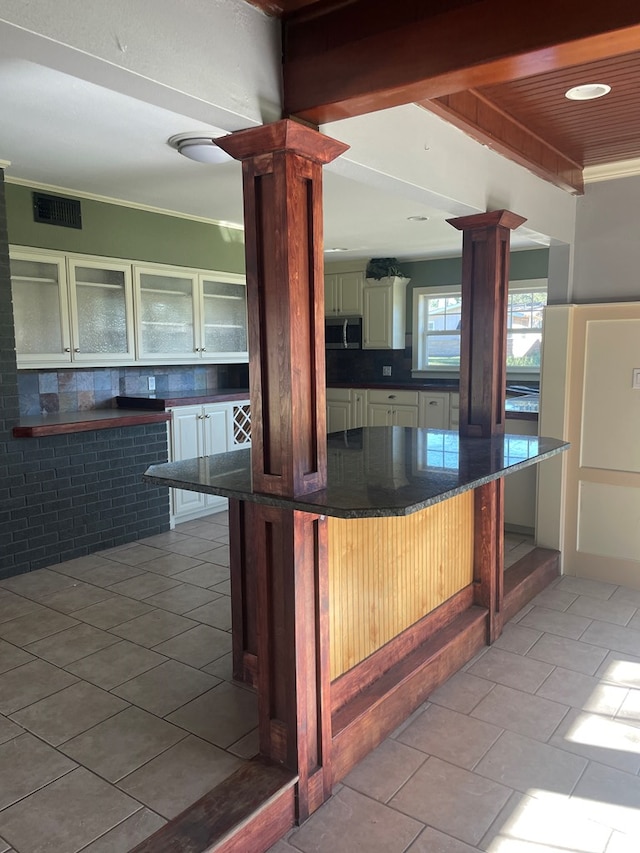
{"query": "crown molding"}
(611, 171)
(121, 202)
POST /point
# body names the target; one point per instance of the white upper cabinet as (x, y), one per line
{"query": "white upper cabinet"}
(101, 311)
(71, 310)
(385, 314)
(184, 315)
(343, 294)
(224, 316)
(84, 310)
(166, 314)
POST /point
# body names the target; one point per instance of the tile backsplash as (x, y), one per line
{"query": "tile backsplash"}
(69, 390)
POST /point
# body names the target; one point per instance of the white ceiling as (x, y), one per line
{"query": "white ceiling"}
(64, 132)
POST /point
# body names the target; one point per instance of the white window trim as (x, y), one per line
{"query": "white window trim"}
(518, 286)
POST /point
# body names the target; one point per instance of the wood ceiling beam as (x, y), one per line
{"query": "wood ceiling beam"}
(481, 119)
(369, 55)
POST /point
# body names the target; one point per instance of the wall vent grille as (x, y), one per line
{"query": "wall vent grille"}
(55, 210)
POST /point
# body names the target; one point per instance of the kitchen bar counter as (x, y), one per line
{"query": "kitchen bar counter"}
(161, 400)
(62, 423)
(373, 472)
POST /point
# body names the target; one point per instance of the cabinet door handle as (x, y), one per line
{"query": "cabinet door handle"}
(433, 402)
(76, 349)
(391, 397)
(67, 349)
(207, 416)
(203, 349)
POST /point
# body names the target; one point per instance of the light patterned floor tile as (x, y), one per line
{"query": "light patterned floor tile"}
(72, 644)
(521, 712)
(526, 764)
(122, 743)
(453, 737)
(511, 670)
(183, 598)
(166, 687)
(222, 715)
(127, 834)
(153, 628)
(29, 683)
(68, 819)
(353, 823)
(384, 771)
(34, 626)
(453, 800)
(69, 712)
(180, 776)
(113, 611)
(112, 666)
(198, 646)
(32, 765)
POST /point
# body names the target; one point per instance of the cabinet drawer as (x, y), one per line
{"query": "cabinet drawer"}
(393, 396)
(339, 395)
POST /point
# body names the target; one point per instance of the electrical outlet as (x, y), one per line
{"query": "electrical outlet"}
(386, 370)
(636, 378)
(151, 381)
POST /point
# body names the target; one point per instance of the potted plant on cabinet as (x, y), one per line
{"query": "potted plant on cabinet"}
(384, 271)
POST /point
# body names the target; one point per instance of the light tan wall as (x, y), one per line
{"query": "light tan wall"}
(601, 530)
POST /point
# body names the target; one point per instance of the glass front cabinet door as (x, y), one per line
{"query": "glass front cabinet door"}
(224, 315)
(40, 309)
(167, 319)
(101, 311)
(71, 310)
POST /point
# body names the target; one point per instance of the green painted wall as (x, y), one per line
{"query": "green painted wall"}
(533, 263)
(114, 231)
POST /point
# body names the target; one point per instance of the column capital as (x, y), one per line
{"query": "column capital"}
(492, 218)
(285, 135)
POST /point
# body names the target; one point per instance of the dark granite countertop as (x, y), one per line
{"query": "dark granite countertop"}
(373, 471)
(61, 423)
(160, 400)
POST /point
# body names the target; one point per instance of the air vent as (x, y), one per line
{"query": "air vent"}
(56, 210)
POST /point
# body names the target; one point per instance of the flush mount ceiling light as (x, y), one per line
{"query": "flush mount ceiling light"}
(198, 147)
(336, 249)
(587, 92)
(418, 218)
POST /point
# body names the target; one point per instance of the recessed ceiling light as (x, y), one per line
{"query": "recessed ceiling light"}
(587, 92)
(336, 249)
(418, 218)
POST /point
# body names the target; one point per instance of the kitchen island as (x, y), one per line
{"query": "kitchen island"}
(403, 595)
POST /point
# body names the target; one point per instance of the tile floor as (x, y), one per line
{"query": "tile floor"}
(117, 710)
(117, 707)
(533, 747)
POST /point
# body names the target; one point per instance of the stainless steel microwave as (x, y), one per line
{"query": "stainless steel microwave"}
(343, 332)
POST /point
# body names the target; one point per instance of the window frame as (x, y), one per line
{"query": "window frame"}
(421, 335)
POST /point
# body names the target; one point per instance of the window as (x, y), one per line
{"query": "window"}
(436, 327)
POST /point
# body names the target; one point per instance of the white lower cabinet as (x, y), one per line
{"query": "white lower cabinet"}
(338, 409)
(434, 410)
(198, 432)
(392, 408)
(346, 409)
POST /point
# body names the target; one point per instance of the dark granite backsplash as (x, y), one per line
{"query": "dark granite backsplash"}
(71, 390)
(365, 365)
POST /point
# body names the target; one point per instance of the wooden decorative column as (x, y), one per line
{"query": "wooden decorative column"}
(283, 563)
(483, 373)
